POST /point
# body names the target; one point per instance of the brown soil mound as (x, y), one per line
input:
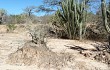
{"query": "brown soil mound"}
(23, 55)
(32, 54)
(35, 55)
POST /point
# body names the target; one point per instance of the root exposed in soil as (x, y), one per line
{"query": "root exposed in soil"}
(102, 54)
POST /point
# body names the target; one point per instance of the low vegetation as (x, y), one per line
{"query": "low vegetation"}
(11, 27)
(71, 20)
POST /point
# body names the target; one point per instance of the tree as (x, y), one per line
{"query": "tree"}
(42, 8)
(30, 10)
(52, 2)
(49, 6)
(3, 14)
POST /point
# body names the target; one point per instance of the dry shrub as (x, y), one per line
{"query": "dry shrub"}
(59, 31)
(11, 27)
(101, 54)
(95, 32)
(40, 32)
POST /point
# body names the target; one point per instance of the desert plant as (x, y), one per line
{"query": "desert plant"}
(11, 27)
(18, 19)
(2, 15)
(38, 34)
(106, 17)
(72, 17)
(29, 10)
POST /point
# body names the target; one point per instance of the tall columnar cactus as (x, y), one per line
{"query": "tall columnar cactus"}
(106, 17)
(105, 13)
(72, 17)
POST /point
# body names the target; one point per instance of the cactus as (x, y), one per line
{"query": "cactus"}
(72, 17)
(106, 17)
(105, 13)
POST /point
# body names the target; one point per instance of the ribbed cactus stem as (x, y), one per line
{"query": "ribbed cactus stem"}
(104, 14)
(106, 18)
(72, 18)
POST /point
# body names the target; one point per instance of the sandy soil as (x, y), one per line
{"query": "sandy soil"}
(11, 42)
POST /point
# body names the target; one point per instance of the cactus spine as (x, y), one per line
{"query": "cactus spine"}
(72, 16)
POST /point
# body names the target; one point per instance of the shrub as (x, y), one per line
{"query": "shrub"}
(39, 33)
(11, 27)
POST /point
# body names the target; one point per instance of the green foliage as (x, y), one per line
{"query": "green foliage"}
(72, 17)
(11, 27)
(17, 19)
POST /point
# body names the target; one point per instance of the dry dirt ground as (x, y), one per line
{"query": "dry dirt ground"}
(11, 42)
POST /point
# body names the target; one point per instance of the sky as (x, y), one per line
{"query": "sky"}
(17, 6)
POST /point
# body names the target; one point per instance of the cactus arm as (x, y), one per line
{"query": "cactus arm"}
(72, 18)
